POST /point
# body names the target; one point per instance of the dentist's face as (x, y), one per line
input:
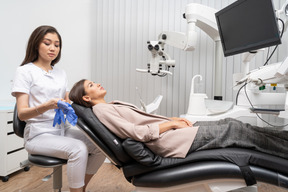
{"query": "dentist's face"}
(49, 47)
(94, 91)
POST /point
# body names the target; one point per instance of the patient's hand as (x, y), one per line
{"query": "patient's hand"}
(188, 123)
(175, 123)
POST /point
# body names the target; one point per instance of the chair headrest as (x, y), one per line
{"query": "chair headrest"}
(110, 140)
(18, 125)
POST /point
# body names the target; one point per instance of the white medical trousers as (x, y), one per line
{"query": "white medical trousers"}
(82, 155)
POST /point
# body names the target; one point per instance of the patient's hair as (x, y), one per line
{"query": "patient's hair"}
(77, 92)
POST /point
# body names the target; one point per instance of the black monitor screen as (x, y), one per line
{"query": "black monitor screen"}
(247, 25)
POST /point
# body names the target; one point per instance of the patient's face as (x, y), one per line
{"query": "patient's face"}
(94, 91)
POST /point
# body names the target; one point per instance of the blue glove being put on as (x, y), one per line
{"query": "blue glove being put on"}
(64, 108)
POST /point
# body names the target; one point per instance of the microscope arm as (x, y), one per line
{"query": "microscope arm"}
(196, 15)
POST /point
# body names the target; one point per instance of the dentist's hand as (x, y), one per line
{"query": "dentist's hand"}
(52, 103)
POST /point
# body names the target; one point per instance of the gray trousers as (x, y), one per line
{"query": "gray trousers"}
(233, 133)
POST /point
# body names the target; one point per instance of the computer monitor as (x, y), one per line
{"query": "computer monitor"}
(247, 25)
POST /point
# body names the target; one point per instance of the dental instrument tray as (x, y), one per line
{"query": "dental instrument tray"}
(266, 111)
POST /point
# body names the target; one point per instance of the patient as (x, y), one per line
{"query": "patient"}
(176, 137)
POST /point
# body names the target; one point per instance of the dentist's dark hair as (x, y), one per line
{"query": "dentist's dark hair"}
(34, 42)
(77, 92)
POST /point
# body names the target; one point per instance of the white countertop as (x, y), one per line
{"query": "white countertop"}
(7, 105)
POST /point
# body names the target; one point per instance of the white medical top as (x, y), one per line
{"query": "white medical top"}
(41, 86)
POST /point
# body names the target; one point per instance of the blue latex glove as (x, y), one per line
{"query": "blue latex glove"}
(65, 108)
(71, 117)
(59, 116)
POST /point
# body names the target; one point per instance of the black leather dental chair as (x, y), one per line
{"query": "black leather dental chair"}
(146, 170)
(39, 160)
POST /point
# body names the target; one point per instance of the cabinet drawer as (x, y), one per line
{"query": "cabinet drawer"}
(14, 159)
(15, 142)
(9, 122)
(10, 116)
(9, 127)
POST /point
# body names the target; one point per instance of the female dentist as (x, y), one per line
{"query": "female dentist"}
(38, 86)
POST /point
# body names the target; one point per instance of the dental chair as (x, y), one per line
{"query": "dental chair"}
(40, 160)
(216, 170)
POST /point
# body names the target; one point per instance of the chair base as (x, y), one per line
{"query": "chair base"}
(57, 178)
(213, 185)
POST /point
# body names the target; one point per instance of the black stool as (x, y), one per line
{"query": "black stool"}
(40, 160)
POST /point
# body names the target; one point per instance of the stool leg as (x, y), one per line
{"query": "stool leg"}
(57, 178)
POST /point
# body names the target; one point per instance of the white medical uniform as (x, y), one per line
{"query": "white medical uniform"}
(40, 137)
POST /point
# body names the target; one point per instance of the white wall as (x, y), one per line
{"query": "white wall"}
(18, 18)
(105, 40)
(122, 29)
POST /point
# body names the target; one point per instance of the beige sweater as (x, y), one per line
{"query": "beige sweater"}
(127, 121)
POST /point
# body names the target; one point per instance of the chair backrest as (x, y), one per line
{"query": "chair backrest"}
(106, 140)
(18, 125)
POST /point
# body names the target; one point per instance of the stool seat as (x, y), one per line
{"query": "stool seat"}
(46, 161)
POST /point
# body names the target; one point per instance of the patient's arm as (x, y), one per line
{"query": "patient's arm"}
(25, 112)
(124, 128)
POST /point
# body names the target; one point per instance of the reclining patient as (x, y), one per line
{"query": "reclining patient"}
(176, 137)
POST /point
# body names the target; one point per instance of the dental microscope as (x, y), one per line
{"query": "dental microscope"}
(249, 98)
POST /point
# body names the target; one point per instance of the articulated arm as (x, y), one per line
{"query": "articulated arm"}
(283, 14)
(196, 15)
(276, 73)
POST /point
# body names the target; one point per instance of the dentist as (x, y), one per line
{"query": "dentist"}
(38, 86)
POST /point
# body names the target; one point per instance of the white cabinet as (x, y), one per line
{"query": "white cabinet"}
(12, 151)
